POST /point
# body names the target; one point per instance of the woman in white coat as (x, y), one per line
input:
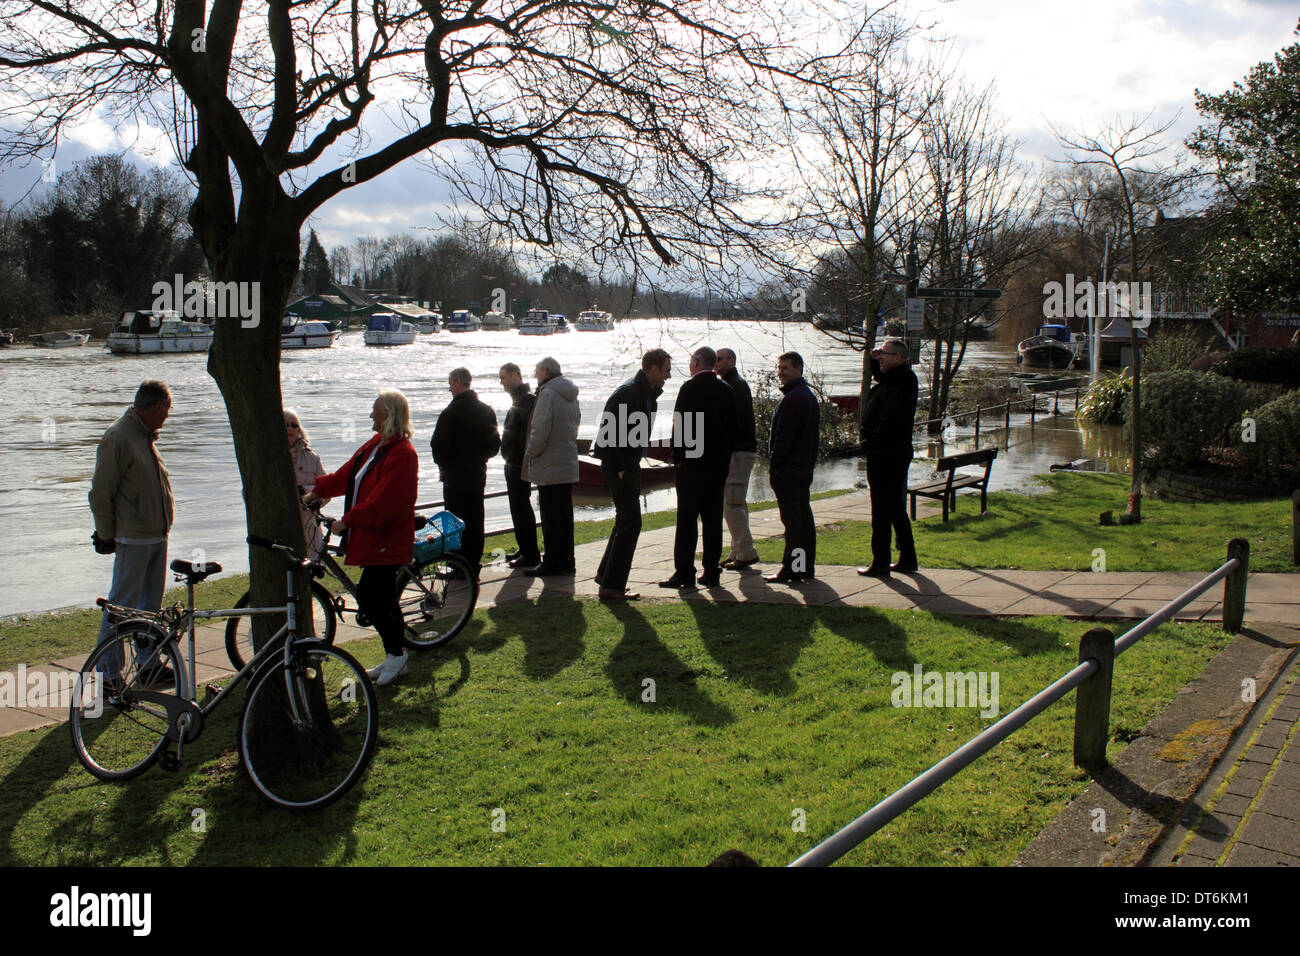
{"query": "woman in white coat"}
(551, 463)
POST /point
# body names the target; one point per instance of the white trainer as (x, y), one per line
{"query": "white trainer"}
(393, 667)
(374, 672)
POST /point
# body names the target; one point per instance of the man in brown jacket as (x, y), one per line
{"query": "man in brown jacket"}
(131, 499)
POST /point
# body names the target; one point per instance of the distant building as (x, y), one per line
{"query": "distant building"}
(339, 306)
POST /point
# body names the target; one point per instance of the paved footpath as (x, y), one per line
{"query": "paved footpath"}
(1262, 787)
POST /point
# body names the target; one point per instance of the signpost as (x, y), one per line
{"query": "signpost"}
(915, 315)
(931, 293)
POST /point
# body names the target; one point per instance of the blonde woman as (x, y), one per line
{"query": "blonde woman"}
(379, 486)
(306, 469)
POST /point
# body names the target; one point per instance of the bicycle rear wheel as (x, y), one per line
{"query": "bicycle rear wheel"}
(116, 735)
(436, 600)
(308, 728)
(239, 630)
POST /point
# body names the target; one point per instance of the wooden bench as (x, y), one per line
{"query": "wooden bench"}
(945, 489)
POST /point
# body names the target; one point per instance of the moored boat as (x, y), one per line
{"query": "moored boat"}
(537, 322)
(387, 328)
(7, 337)
(1051, 346)
(60, 340)
(463, 320)
(147, 331)
(594, 320)
(498, 322)
(297, 333)
(558, 320)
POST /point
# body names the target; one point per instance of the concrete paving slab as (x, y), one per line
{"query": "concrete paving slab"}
(1065, 607)
(15, 720)
(1244, 854)
(1272, 832)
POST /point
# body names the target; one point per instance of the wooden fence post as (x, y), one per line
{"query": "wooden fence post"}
(1092, 701)
(1006, 426)
(1033, 409)
(977, 425)
(1234, 586)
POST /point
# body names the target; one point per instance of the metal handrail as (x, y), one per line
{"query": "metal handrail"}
(489, 532)
(841, 842)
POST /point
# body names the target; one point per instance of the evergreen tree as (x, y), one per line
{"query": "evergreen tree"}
(316, 273)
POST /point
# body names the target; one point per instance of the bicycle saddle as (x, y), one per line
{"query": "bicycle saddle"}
(195, 572)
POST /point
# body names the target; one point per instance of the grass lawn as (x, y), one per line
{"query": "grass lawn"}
(1055, 528)
(539, 718)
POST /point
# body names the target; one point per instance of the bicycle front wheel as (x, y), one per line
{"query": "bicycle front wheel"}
(436, 600)
(117, 735)
(239, 630)
(309, 727)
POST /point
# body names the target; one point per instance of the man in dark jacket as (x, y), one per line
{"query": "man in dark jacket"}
(792, 452)
(704, 434)
(887, 422)
(514, 438)
(621, 441)
(463, 441)
(735, 510)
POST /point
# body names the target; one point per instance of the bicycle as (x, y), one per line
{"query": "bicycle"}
(310, 719)
(436, 597)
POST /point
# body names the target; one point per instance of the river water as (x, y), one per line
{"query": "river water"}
(62, 400)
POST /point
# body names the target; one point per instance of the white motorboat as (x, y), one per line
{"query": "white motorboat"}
(387, 328)
(426, 323)
(298, 333)
(498, 322)
(60, 340)
(463, 320)
(594, 320)
(559, 322)
(537, 322)
(146, 332)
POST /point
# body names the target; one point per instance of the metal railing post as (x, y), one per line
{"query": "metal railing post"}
(1092, 701)
(1234, 586)
(1033, 409)
(977, 425)
(1006, 424)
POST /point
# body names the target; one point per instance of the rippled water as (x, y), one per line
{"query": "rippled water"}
(62, 400)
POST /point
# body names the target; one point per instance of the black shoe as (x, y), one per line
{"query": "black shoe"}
(527, 561)
(903, 568)
(542, 571)
(513, 555)
(874, 572)
(784, 576)
(711, 580)
(678, 584)
(733, 565)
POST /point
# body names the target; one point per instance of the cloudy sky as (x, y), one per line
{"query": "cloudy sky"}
(1069, 63)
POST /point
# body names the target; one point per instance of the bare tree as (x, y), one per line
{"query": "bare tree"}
(561, 120)
(1130, 150)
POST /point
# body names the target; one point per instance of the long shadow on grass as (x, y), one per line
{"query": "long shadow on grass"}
(867, 626)
(760, 656)
(551, 628)
(641, 655)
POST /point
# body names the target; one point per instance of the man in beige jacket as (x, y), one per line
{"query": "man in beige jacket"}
(131, 499)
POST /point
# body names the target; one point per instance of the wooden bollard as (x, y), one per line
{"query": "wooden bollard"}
(1056, 409)
(1033, 408)
(977, 424)
(1092, 701)
(1234, 586)
(1006, 426)
(1295, 527)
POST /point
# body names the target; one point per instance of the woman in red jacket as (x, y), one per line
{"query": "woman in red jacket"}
(379, 487)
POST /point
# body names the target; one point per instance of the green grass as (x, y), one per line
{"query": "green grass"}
(1055, 527)
(535, 716)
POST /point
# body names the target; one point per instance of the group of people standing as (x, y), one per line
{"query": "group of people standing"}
(713, 448)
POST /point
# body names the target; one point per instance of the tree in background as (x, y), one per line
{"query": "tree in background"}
(1251, 152)
(315, 267)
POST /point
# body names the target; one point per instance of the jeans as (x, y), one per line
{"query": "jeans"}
(522, 517)
(139, 574)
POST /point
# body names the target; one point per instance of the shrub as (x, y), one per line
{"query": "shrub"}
(1185, 412)
(1275, 452)
(1172, 348)
(1107, 400)
(838, 431)
(1278, 365)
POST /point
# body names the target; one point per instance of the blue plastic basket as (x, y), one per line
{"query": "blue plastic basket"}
(440, 534)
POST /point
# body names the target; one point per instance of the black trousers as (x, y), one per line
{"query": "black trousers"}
(521, 515)
(626, 492)
(377, 595)
(887, 477)
(467, 505)
(556, 502)
(699, 496)
(792, 487)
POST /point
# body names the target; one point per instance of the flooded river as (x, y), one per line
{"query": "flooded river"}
(62, 400)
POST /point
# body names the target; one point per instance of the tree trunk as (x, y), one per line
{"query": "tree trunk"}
(245, 362)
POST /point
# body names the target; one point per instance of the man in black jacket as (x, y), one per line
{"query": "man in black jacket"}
(735, 510)
(514, 438)
(463, 441)
(792, 451)
(620, 442)
(887, 423)
(704, 434)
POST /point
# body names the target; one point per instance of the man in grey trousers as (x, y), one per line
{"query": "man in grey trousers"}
(735, 510)
(131, 499)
